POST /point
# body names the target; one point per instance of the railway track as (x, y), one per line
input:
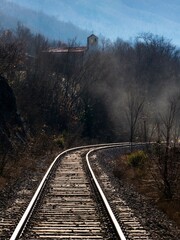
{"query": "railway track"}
(68, 204)
(129, 222)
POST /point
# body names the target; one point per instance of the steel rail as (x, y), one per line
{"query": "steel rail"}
(107, 206)
(27, 214)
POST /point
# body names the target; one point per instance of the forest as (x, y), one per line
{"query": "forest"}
(123, 91)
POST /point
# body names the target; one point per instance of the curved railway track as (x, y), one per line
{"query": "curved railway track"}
(70, 204)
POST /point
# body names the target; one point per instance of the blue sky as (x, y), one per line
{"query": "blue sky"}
(116, 18)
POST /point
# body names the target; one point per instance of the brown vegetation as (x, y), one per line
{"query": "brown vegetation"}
(141, 177)
(27, 159)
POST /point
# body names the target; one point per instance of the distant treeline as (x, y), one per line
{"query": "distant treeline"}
(122, 91)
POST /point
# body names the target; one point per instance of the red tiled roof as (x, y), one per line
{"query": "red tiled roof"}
(68, 49)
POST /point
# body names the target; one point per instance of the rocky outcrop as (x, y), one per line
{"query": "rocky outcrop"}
(11, 127)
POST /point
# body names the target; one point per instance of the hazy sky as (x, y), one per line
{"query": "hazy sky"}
(116, 18)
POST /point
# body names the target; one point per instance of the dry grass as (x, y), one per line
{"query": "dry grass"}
(171, 208)
(143, 182)
(37, 150)
(3, 182)
(14, 170)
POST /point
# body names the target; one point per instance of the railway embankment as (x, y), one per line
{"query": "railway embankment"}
(144, 206)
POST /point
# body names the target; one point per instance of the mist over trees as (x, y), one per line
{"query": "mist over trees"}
(120, 92)
(108, 95)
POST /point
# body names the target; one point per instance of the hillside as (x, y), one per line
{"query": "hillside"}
(39, 22)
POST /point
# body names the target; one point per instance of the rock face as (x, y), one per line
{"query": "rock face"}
(11, 126)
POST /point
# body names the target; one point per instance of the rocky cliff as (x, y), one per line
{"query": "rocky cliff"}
(11, 127)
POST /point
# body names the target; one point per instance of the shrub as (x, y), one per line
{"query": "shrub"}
(137, 159)
(60, 141)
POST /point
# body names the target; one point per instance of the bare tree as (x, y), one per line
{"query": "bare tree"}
(166, 156)
(133, 110)
(168, 118)
(11, 54)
